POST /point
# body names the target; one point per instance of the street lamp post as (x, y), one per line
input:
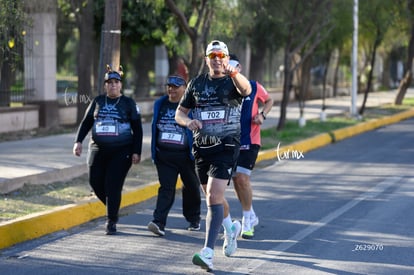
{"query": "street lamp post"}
(354, 61)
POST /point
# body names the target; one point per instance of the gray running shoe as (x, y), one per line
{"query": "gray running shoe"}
(156, 228)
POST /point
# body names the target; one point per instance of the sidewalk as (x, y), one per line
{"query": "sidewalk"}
(49, 159)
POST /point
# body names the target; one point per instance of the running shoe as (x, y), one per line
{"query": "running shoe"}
(110, 228)
(247, 231)
(230, 239)
(194, 226)
(254, 221)
(156, 228)
(204, 259)
(248, 227)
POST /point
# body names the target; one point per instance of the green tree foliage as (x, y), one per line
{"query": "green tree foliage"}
(67, 37)
(199, 22)
(12, 31)
(79, 15)
(406, 13)
(302, 26)
(148, 23)
(257, 26)
(335, 49)
(195, 21)
(376, 17)
(144, 25)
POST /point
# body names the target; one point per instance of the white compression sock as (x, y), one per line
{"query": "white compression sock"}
(227, 223)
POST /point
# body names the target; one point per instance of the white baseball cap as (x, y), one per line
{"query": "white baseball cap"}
(217, 45)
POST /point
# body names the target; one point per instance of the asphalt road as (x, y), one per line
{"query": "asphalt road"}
(346, 208)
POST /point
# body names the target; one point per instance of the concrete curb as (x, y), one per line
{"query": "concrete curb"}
(49, 176)
(293, 150)
(343, 133)
(65, 217)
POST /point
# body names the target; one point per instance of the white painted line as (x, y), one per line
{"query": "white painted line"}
(279, 249)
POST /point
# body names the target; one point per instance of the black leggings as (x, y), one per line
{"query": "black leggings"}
(108, 168)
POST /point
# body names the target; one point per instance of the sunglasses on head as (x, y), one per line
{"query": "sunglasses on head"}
(213, 55)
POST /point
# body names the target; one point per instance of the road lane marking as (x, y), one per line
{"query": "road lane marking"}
(279, 249)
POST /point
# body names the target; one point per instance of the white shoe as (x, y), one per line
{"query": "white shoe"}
(254, 221)
(247, 231)
(230, 239)
(204, 259)
(246, 224)
(248, 227)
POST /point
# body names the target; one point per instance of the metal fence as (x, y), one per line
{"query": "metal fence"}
(15, 97)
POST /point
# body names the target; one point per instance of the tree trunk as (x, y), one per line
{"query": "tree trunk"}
(197, 63)
(257, 65)
(370, 76)
(402, 89)
(406, 81)
(85, 59)
(112, 35)
(336, 74)
(327, 59)
(287, 85)
(304, 84)
(146, 64)
(197, 35)
(386, 76)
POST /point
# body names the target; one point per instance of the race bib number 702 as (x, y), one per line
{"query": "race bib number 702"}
(213, 115)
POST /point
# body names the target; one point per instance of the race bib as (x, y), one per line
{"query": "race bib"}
(106, 128)
(245, 147)
(214, 115)
(175, 138)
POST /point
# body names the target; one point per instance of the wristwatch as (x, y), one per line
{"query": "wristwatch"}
(264, 117)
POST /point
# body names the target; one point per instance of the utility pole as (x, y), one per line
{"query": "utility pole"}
(354, 61)
(111, 38)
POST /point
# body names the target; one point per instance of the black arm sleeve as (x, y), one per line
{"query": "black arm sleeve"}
(86, 123)
(136, 127)
(137, 133)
